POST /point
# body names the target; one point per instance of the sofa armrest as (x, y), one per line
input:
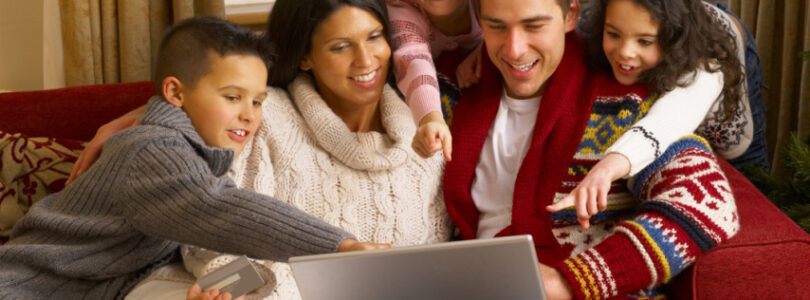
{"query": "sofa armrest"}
(769, 258)
(74, 112)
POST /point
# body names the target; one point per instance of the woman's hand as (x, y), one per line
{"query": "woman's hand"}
(93, 149)
(554, 283)
(433, 135)
(590, 195)
(196, 293)
(354, 245)
(469, 70)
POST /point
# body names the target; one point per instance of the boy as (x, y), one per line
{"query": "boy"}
(162, 183)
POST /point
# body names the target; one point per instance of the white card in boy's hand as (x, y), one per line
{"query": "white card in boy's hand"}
(238, 278)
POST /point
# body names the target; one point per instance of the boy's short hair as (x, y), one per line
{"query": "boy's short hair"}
(185, 48)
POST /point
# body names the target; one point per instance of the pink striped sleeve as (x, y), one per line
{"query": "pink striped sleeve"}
(413, 63)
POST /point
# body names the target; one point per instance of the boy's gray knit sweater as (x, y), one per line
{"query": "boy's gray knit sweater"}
(154, 186)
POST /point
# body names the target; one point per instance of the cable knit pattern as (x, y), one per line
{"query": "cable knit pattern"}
(370, 184)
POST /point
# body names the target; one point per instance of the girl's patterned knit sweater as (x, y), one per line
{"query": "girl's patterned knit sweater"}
(656, 225)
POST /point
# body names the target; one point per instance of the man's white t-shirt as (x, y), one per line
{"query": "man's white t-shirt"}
(507, 143)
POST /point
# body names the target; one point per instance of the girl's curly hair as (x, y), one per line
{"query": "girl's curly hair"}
(689, 39)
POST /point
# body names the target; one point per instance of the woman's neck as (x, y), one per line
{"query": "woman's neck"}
(358, 118)
(456, 23)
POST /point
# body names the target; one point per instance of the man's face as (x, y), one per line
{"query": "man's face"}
(525, 40)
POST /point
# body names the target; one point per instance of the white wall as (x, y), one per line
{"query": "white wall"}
(30, 45)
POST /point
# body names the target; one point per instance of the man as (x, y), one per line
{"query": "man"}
(530, 131)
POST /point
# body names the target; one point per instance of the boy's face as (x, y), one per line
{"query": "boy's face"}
(525, 40)
(225, 106)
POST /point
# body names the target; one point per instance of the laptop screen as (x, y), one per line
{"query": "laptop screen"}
(499, 268)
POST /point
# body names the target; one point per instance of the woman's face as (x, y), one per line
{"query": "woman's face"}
(349, 58)
(630, 40)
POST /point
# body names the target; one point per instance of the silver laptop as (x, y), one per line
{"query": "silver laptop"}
(499, 268)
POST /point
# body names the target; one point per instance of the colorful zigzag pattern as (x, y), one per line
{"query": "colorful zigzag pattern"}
(635, 246)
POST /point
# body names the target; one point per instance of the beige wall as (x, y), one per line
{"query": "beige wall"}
(30, 45)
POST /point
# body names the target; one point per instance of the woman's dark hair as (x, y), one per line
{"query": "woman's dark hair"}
(293, 22)
(688, 37)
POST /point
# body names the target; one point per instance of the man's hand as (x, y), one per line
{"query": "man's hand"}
(590, 196)
(93, 149)
(555, 284)
(433, 135)
(468, 71)
(354, 245)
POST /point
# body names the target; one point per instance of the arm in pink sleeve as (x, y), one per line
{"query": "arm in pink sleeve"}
(413, 62)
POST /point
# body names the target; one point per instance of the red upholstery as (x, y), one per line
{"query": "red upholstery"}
(74, 113)
(769, 258)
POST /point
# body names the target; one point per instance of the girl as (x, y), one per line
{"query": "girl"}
(422, 30)
(684, 50)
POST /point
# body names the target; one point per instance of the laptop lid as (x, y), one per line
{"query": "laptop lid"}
(499, 268)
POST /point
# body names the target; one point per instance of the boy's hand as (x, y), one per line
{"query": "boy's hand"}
(196, 293)
(93, 148)
(433, 135)
(590, 196)
(469, 70)
(354, 245)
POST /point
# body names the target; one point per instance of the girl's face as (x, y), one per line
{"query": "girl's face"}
(441, 7)
(630, 40)
(349, 58)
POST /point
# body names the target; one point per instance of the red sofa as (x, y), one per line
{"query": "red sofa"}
(768, 259)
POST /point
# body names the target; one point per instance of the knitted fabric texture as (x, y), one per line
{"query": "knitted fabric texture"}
(154, 186)
(632, 247)
(416, 43)
(686, 208)
(560, 123)
(368, 183)
(729, 138)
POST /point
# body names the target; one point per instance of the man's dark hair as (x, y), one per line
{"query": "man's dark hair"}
(292, 24)
(185, 48)
(564, 4)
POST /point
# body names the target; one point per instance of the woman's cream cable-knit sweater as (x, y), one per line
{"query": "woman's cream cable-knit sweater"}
(370, 184)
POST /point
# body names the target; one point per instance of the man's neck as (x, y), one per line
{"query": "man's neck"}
(511, 94)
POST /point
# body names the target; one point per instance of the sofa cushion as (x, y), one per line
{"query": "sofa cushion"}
(30, 169)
